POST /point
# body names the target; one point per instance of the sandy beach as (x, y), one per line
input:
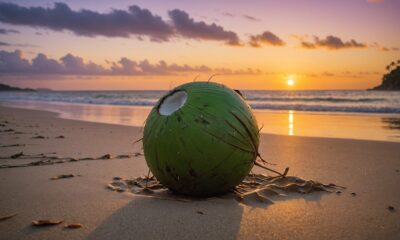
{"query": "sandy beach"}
(369, 169)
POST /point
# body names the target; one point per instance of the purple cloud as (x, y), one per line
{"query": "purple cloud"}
(332, 43)
(245, 16)
(8, 31)
(266, 38)
(188, 27)
(13, 63)
(117, 23)
(4, 44)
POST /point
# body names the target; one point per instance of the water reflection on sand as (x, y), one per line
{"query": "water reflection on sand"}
(292, 123)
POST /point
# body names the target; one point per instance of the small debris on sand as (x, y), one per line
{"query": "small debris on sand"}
(38, 137)
(115, 188)
(137, 154)
(73, 225)
(59, 137)
(17, 155)
(391, 208)
(62, 176)
(8, 130)
(106, 156)
(116, 178)
(354, 194)
(200, 212)
(44, 223)
(338, 192)
(2, 218)
(122, 156)
(13, 145)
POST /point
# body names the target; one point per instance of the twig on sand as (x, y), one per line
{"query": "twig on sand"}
(272, 170)
(137, 140)
(148, 175)
(263, 160)
(2, 218)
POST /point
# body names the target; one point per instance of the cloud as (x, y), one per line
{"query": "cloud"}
(245, 16)
(8, 31)
(375, 1)
(117, 23)
(187, 27)
(266, 38)
(5, 44)
(251, 18)
(383, 48)
(332, 43)
(14, 64)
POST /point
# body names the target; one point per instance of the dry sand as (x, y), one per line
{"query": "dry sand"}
(368, 168)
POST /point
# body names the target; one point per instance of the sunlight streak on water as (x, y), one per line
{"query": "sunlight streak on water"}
(291, 123)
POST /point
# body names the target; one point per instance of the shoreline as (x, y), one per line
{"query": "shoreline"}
(362, 126)
(308, 112)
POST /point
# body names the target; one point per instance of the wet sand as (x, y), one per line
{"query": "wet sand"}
(370, 169)
(362, 126)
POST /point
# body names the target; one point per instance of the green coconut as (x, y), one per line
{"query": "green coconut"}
(201, 139)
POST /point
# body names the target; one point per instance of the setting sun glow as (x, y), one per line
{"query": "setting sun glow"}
(290, 82)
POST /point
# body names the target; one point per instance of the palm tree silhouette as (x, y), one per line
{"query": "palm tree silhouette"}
(388, 67)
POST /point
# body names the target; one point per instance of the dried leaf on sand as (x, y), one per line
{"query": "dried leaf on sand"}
(44, 223)
(63, 176)
(73, 225)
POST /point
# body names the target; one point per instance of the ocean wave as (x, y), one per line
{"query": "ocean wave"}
(315, 99)
(324, 108)
(334, 101)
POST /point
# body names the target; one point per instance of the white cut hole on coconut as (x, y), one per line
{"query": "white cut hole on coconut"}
(172, 103)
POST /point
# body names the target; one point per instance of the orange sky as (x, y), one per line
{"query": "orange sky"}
(319, 44)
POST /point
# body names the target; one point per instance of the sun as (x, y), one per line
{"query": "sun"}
(290, 82)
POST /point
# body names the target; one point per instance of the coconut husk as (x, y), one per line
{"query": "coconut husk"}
(257, 187)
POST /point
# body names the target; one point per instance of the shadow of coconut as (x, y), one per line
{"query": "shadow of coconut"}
(150, 218)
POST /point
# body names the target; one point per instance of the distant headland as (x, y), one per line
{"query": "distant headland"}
(391, 80)
(4, 87)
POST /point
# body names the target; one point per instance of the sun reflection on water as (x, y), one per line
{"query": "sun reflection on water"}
(291, 123)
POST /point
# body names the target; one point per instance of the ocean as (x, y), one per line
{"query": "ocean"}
(347, 101)
(366, 115)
